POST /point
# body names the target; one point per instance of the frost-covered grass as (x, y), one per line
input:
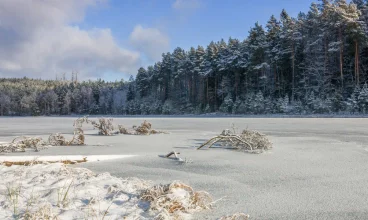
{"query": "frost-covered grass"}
(57, 191)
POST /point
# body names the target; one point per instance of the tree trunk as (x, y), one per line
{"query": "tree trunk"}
(293, 73)
(357, 63)
(236, 83)
(275, 76)
(215, 93)
(326, 59)
(207, 93)
(341, 58)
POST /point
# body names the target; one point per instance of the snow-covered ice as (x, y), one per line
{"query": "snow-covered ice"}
(317, 168)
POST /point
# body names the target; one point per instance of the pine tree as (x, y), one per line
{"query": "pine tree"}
(363, 99)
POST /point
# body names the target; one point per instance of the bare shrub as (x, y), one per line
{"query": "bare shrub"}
(176, 199)
(104, 126)
(20, 144)
(144, 129)
(123, 130)
(251, 141)
(78, 138)
(256, 139)
(58, 139)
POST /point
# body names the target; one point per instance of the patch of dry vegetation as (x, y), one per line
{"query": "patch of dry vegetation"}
(43, 213)
(20, 144)
(58, 139)
(34, 162)
(248, 140)
(56, 191)
(144, 129)
(236, 216)
(176, 199)
(104, 126)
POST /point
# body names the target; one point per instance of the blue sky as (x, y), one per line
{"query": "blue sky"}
(198, 25)
(111, 39)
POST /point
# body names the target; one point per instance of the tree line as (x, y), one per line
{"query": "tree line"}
(314, 63)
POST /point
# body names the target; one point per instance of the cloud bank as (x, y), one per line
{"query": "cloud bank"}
(38, 39)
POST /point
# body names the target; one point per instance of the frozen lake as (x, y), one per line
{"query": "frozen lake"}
(317, 169)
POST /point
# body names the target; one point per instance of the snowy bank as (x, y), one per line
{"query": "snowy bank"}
(56, 191)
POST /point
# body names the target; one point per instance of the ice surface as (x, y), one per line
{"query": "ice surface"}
(317, 168)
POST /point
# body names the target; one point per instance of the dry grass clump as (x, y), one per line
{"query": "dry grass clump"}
(104, 126)
(251, 141)
(123, 130)
(176, 199)
(236, 216)
(58, 139)
(43, 213)
(19, 144)
(144, 129)
(256, 139)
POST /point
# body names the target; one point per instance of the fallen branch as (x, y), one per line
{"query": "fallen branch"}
(172, 153)
(248, 141)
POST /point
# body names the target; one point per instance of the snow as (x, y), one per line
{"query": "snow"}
(68, 193)
(317, 168)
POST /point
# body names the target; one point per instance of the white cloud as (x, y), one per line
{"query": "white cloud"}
(150, 41)
(186, 4)
(37, 40)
